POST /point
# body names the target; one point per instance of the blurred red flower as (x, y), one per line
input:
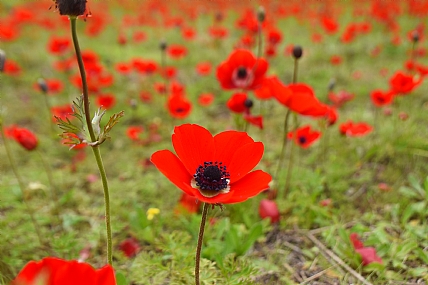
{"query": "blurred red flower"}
(368, 254)
(59, 45)
(205, 99)
(11, 67)
(106, 101)
(241, 70)
(54, 271)
(203, 68)
(214, 170)
(381, 98)
(23, 136)
(340, 98)
(130, 247)
(177, 51)
(304, 136)
(178, 106)
(236, 102)
(352, 129)
(133, 132)
(269, 209)
(403, 83)
(189, 203)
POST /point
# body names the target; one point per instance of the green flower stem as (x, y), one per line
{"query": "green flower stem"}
(284, 144)
(295, 70)
(290, 163)
(21, 184)
(200, 239)
(95, 149)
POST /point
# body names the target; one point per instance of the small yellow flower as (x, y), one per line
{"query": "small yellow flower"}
(151, 212)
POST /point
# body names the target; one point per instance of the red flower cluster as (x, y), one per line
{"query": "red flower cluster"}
(215, 169)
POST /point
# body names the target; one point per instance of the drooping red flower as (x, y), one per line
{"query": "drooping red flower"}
(23, 136)
(236, 102)
(304, 136)
(368, 254)
(352, 129)
(178, 106)
(381, 98)
(402, 84)
(189, 203)
(214, 170)
(269, 209)
(241, 70)
(54, 271)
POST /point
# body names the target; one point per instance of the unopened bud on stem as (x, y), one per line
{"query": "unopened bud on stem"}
(42, 85)
(261, 14)
(71, 7)
(297, 52)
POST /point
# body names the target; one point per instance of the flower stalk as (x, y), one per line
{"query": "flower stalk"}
(200, 240)
(95, 146)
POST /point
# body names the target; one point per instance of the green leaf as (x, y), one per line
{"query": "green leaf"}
(121, 279)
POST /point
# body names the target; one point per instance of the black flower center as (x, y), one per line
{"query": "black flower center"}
(302, 140)
(212, 176)
(242, 73)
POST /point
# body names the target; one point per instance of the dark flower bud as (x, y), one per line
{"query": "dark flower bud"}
(261, 14)
(163, 45)
(42, 85)
(71, 7)
(297, 52)
(415, 36)
(331, 84)
(2, 60)
(248, 103)
(219, 16)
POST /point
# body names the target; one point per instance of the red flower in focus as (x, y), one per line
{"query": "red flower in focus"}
(205, 99)
(402, 83)
(178, 106)
(352, 129)
(106, 100)
(177, 51)
(189, 203)
(304, 136)
(54, 271)
(381, 98)
(242, 70)
(59, 45)
(214, 170)
(368, 254)
(203, 68)
(23, 136)
(269, 209)
(236, 103)
(130, 247)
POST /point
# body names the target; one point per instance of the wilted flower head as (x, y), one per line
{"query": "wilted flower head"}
(71, 7)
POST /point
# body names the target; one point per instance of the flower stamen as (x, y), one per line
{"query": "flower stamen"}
(211, 179)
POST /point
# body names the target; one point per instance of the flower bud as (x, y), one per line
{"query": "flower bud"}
(415, 36)
(42, 85)
(2, 60)
(248, 103)
(297, 52)
(163, 45)
(71, 7)
(261, 14)
(331, 84)
(269, 209)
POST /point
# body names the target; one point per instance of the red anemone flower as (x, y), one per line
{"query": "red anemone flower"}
(304, 136)
(205, 99)
(242, 70)
(352, 129)
(106, 100)
(179, 107)
(130, 247)
(54, 271)
(381, 98)
(236, 103)
(203, 68)
(402, 83)
(23, 136)
(59, 45)
(214, 170)
(177, 51)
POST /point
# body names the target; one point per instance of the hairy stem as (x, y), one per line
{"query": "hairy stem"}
(95, 149)
(200, 239)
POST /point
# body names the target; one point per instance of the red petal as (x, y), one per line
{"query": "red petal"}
(224, 75)
(194, 145)
(226, 143)
(170, 166)
(249, 186)
(241, 57)
(244, 160)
